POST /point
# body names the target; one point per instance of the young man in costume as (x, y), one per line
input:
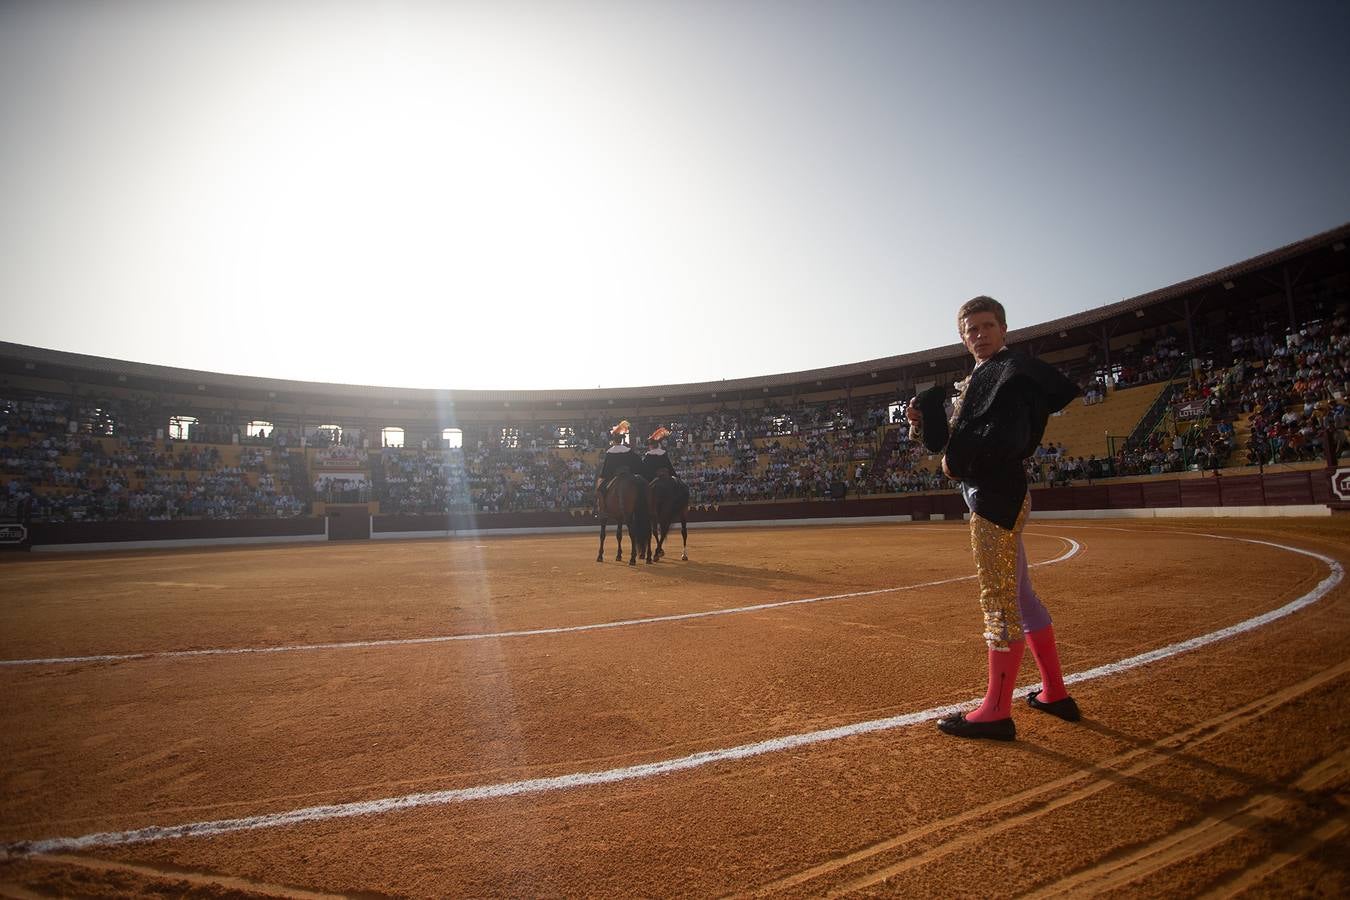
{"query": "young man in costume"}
(656, 460)
(617, 458)
(997, 421)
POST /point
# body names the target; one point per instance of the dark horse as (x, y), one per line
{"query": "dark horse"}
(625, 502)
(670, 501)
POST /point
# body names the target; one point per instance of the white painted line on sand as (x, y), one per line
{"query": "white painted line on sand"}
(1072, 550)
(648, 770)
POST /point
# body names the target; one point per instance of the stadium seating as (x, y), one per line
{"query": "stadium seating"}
(1263, 399)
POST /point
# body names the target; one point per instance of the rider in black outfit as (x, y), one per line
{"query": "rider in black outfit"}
(657, 460)
(618, 458)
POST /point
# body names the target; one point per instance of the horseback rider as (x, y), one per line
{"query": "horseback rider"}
(656, 460)
(617, 459)
(667, 496)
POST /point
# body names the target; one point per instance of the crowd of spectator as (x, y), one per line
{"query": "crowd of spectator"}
(485, 479)
(422, 481)
(346, 488)
(1094, 391)
(759, 454)
(72, 459)
(1292, 388)
(1147, 362)
(59, 471)
(1296, 394)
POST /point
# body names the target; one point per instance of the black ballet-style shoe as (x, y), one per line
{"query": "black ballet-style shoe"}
(1064, 709)
(960, 726)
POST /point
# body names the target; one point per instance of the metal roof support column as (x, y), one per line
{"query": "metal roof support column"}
(1106, 354)
(1289, 298)
(1190, 329)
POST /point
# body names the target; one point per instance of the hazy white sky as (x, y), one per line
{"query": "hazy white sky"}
(568, 194)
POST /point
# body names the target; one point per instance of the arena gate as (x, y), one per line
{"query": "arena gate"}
(348, 522)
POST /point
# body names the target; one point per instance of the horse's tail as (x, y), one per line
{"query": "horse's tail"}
(642, 516)
(681, 497)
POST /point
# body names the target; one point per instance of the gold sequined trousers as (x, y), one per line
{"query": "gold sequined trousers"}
(996, 566)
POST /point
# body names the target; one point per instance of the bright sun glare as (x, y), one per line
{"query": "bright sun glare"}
(414, 186)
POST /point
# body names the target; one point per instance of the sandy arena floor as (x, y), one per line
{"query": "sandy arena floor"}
(756, 721)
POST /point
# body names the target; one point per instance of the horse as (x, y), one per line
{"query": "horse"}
(625, 501)
(669, 499)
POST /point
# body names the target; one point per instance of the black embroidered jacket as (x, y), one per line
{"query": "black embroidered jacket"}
(999, 422)
(619, 458)
(656, 461)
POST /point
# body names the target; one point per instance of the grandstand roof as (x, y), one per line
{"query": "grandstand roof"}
(1320, 255)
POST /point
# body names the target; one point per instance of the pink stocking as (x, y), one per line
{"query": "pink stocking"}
(1003, 666)
(1046, 654)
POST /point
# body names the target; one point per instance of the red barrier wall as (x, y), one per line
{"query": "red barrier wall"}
(1273, 489)
(185, 529)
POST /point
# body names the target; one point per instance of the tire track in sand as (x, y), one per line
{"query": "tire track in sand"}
(1297, 850)
(1024, 807)
(172, 878)
(1213, 830)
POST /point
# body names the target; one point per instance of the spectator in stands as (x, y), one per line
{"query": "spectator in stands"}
(100, 457)
(998, 419)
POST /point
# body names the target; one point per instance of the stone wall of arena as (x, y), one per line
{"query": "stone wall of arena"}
(1283, 493)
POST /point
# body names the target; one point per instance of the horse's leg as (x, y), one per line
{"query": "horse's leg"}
(600, 557)
(653, 526)
(629, 520)
(661, 528)
(618, 536)
(684, 537)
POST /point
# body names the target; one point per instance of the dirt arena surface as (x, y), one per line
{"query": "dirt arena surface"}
(716, 750)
